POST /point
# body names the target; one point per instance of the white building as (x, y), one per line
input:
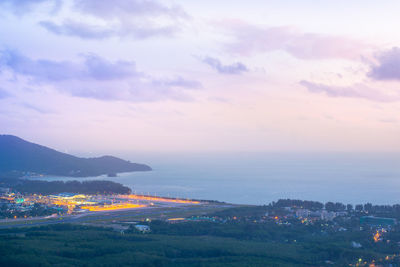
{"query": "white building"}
(302, 213)
(142, 228)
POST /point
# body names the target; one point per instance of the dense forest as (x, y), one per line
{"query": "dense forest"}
(190, 244)
(18, 155)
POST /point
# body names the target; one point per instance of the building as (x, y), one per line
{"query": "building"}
(68, 196)
(302, 213)
(327, 215)
(142, 228)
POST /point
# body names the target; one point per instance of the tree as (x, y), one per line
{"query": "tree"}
(349, 207)
(359, 208)
(368, 207)
(330, 206)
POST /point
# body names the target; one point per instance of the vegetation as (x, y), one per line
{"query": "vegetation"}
(269, 235)
(184, 244)
(85, 187)
(17, 155)
(298, 203)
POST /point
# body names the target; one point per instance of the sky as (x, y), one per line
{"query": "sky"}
(146, 75)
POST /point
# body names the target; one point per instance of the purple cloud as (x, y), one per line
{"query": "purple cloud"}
(35, 108)
(20, 7)
(97, 78)
(134, 18)
(235, 68)
(101, 69)
(179, 82)
(355, 91)
(89, 31)
(93, 67)
(4, 94)
(116, 8)
(388, 66)
(249, 39)
(81, 30)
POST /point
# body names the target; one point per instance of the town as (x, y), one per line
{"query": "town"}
(15, 205)
(363, 227)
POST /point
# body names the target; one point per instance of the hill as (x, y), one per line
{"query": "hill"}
(18, 155)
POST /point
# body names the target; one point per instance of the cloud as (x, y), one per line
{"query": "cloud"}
(118, 8)
(250, 39)
(90, 31)
(97, 78)
(4, 94)
(235, 68)
(388, 65)
(37, 109)
(140, 89)
(101, 69)
(355, 91)
(21, 7)
(131, 91)
(179, 82)
(138, 19)
(388, 120)
(81, 30)
(93, 67)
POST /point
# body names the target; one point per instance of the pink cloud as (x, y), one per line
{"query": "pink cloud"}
(250, 39)
(388, 65)
(354, 91)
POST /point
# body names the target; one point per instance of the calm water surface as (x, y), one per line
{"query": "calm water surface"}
(256, 178)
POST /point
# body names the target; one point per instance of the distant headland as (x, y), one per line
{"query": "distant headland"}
(21, 157)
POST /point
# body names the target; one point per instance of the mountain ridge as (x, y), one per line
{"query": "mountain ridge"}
(17, 154)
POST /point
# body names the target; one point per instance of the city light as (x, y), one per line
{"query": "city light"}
(113, 207)
(159, 199)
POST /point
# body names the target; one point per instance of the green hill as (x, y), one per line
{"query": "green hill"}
(18, 155)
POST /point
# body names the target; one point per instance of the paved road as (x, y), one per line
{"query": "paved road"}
(110, 215)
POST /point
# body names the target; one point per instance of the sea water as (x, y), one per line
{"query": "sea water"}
(259, 178)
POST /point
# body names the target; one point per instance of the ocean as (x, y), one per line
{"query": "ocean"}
(259, 178)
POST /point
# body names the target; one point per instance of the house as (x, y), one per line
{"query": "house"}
(142, 228)
(302, 213)
(327, 215)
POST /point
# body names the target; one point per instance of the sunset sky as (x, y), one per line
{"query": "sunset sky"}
(227, 75)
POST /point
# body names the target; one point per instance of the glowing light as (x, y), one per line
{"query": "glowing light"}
(176, 219)
(377, 236)
(113, 207)
(160, 199)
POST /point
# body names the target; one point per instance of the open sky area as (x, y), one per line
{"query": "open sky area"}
(227, 75)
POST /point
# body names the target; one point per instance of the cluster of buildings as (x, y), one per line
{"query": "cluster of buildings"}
(67, 202)
(77, 203)
(14, 205)
(322, 214)
(318, 214)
